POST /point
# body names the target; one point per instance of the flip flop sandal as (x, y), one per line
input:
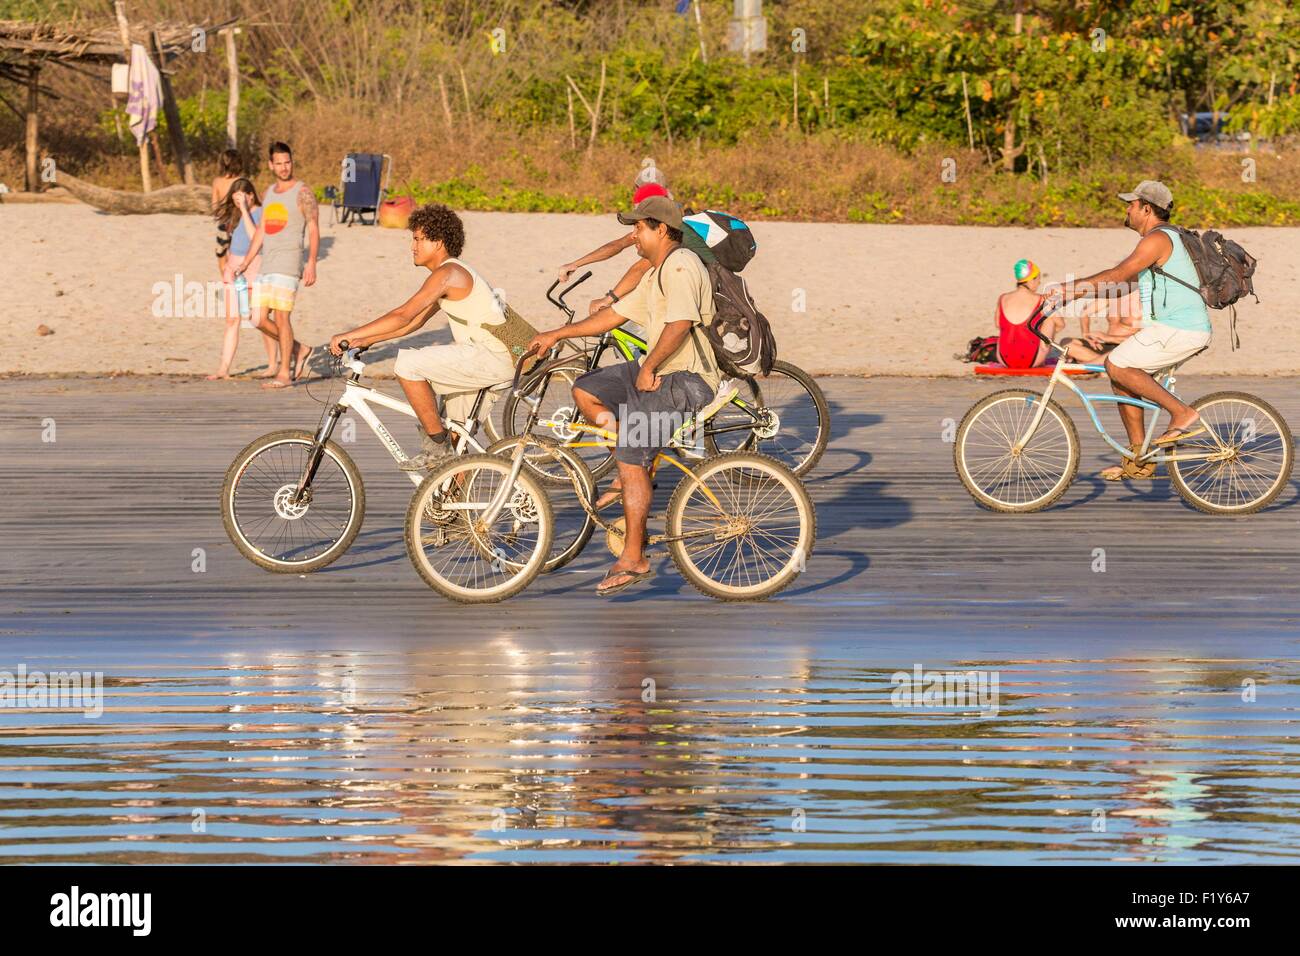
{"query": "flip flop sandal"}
(1175, 435)
(633, 577)
(274, 383)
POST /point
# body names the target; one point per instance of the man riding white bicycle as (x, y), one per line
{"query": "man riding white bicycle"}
(485, 335)
(1175, 322)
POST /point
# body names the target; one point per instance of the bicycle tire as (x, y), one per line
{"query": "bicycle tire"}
(1059, 485)
(1180, 471)
(598, 461)
(523, 573)
(802, 463)
(239, 469)
(731, 466)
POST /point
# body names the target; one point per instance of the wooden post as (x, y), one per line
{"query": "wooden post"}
(157, 155)
(33, 182)
(119, 8)
(232, 104)
(174, 131)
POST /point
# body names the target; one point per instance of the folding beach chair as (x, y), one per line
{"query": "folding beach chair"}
(359, 192)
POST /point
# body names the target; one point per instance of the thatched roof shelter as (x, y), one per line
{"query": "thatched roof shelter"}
(91, 47)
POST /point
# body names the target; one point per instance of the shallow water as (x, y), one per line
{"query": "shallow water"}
(514, 749)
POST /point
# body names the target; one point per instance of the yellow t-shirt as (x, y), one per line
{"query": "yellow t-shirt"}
(686, 296)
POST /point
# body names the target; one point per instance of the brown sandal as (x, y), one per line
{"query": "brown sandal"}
(1129, 469)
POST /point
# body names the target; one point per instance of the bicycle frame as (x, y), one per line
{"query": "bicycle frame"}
(610, 440)
(358, 398)
(1060, 376)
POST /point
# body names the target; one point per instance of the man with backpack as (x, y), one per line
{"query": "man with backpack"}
(1175, 321)
(679, 375)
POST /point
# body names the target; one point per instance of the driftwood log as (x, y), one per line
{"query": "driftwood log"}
(182, 199)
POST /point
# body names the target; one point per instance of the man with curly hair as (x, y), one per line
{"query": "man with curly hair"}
(477, 357)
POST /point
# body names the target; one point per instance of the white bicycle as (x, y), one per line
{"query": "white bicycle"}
(293, 500)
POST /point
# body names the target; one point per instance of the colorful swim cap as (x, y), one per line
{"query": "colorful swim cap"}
(1025, 270)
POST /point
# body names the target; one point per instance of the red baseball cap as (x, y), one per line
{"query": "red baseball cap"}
(646, 191)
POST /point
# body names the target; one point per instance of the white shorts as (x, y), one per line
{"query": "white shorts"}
(1157, 346)
(456, 371)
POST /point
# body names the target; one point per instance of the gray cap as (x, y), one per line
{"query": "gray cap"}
(1156, 193)
(661, 208)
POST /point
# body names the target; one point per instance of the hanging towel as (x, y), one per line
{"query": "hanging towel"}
(146, 94)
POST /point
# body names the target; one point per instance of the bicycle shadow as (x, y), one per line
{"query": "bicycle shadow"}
(365, 549)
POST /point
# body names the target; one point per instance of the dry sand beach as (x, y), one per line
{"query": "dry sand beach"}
(880, 299)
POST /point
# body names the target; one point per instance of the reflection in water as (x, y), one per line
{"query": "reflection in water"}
(527, 749)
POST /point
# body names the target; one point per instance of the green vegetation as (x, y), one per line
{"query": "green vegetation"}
(1046, 107)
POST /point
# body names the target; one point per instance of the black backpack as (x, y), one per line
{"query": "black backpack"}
(739, 335)
(1225, 270)
(720, 236)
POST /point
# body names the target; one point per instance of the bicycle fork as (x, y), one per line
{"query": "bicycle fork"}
(328, 422)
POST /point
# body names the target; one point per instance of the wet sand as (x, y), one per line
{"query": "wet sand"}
(101, 527)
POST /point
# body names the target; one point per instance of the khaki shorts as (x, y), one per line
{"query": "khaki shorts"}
(456, 372)
(1157, 346)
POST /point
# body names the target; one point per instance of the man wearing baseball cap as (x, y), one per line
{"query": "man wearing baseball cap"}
(677, 376)
(1175, 321)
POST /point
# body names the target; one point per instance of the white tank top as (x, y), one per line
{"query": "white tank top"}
(467, 316)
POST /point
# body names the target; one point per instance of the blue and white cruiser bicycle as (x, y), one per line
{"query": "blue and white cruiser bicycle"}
(1017, 450)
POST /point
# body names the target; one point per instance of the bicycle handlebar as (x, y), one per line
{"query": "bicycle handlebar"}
(1036, 328)
(559, 303)
(519, 370)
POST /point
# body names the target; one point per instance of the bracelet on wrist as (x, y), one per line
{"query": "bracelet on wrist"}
(611, 296)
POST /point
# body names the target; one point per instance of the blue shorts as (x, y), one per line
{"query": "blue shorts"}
(646, 420)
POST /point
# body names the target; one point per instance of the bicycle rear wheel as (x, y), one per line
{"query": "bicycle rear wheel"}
(264, 523)
(1003, 478)
(784, 416)
(458, 553)
(1252, 456)
(751, 523)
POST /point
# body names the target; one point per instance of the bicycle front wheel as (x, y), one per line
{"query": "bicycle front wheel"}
(744, 525)
(268, 527)
(573, 525)
(783, 416)
(1245, 457)
(457, 550)
(1004, 477)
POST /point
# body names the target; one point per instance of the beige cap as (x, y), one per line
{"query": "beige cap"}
(1156, 193)
(661, 208)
